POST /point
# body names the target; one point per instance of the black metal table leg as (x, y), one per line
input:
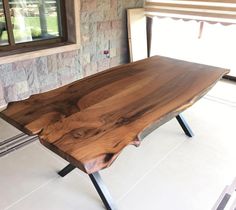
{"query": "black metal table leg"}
(102, 191)
(185, 126)
(66, 170)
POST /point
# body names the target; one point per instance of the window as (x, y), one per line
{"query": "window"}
(27, 23)
(196, 30)
(195, 41)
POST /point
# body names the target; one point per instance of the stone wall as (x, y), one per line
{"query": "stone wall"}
(103, 27)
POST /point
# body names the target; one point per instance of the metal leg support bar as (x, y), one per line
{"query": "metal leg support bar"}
(66, 170)
(185, 126)
(102, 191)
(98, 184)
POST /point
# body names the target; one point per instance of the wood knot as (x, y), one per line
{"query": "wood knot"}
(85, 132)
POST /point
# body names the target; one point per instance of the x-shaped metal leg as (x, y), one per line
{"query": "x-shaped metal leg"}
(66, 170)
(184, 125)
(102, 191)
(97, 180)
(98, 184)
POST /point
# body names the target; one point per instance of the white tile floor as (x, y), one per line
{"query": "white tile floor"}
(7, 131)
(168, 171)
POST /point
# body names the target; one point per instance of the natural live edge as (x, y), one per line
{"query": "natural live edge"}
(89, 122)
(98, 163)
(171, 115)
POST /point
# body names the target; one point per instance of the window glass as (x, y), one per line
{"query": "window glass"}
(211, 44)
(35, 19)
(3, 31)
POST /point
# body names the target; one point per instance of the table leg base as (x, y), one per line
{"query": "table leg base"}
(66, 170)
(184, 125)
(98, 184)
(102, 191)
(97, 180)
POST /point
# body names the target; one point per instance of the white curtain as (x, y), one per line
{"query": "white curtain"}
(213, 44)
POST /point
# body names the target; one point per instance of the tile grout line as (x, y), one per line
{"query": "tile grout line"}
(212, 99)
(20, 149)
(210, 146)
(29, 194)
(150, 170)
(48, 152)
(42, 185)
(59, 160)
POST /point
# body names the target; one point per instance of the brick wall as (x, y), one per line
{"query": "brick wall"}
(103, 27)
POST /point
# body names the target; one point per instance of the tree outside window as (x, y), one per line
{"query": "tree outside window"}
(30, 21)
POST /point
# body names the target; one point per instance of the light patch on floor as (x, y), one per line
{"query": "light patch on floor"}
(168, 171)
(7, 131)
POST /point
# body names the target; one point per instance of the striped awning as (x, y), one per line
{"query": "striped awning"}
(223, 11)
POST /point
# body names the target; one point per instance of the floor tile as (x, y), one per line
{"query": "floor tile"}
(134, 163)
(71, 192)
(23, 171)
(7, 131)
(225, 90)
(214, 125)
(192, 177)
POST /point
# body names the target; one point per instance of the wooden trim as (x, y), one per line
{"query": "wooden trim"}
(24, 51)
(62, 24)
(37, 52)
(63, 21)
(73, 20)
(6, 10)
(8, 49)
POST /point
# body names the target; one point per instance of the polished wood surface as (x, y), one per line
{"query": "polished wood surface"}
(89, 122)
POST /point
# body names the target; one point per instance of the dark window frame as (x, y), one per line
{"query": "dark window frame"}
(12, 46)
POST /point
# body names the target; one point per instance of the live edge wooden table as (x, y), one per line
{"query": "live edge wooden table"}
(89, 122)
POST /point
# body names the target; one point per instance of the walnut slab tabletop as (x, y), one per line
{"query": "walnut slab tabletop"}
(89, 122)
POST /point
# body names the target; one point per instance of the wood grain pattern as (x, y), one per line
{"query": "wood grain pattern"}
(89, 122)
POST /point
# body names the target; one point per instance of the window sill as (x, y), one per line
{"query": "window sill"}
(30, 53)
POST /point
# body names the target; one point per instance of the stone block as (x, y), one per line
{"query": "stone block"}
(116, 24)
(115, 61)
(103, 64)
(103, 5)
(104, 26)
(88, 5)
(41, 64)
(113, 4)
(52, 63)
(113, 52)
(86, 58)
(6, 75)
(89, 69)
(1, 91)
(22, 88)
